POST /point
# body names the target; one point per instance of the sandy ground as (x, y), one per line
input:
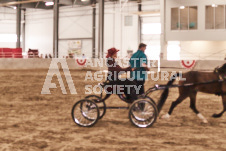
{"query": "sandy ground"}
(31, 121)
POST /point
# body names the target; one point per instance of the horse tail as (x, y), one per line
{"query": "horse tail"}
(165, 93)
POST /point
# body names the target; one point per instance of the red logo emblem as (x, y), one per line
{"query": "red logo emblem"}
(81, 62)
(188, 63)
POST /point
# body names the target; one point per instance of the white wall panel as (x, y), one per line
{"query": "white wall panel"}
(151, 5)
(201, 43)
(7, 45)
(109, 31)
(130, 36)
(7, 25)
(76, 22)
(203, 50)
(201, 33)
(75, 27)
(39, 31)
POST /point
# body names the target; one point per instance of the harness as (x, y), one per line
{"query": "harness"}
(222, 78)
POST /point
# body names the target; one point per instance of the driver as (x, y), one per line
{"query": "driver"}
(113, 72)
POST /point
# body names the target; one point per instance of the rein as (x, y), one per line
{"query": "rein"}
(162, 87)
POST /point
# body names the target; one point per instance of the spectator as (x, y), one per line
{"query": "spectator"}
(50, 56)
(46, 56)
(71, 55)
(30, 54)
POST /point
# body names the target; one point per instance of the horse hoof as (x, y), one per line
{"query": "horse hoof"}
(166, 116)
(205, 121)
(202, 118)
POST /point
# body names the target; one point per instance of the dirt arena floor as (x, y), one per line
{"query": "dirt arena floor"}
(32, 121)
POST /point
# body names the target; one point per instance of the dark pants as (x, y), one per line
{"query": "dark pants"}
(130, 91)
(141, 84)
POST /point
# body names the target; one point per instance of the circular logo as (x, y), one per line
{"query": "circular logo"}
(188, 63)
(81, 62)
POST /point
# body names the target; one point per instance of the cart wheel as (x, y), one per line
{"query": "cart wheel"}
(85, 113)
(143, 113)
(101, 104)
(150, 99)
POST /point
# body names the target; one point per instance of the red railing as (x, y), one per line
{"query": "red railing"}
(11, 53)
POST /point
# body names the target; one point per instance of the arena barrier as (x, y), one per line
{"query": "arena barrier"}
(37, 63)
(11, 53)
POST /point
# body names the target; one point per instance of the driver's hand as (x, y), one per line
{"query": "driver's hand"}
(144, 65)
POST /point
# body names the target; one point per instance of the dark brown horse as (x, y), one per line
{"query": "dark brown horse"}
(218, 88)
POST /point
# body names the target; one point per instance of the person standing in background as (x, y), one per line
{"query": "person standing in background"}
(83, 56)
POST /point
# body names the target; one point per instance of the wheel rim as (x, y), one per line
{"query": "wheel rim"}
(85, 113)
(143, 113)
(87, 109)
(101, 104)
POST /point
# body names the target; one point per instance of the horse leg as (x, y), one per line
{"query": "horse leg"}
(174, 104)
(224, 107)
(193, 107)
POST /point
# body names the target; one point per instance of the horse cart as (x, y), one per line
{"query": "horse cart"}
(143, 112)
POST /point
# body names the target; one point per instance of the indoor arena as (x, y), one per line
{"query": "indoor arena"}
(112, 75)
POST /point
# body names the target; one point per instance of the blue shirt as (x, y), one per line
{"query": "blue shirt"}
(136, 61)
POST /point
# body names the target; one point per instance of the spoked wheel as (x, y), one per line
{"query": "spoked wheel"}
(101, 104)
(85, 113)
(143, 113)
(150, 99)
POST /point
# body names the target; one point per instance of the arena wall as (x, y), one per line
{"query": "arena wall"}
(17, 64)
(7, 26)
(201, 43)
(203, 50)
(201, 33)
(75, 23)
